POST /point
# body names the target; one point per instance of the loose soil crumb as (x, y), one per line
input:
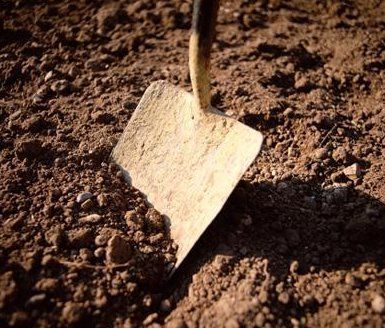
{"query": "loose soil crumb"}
(299, 243)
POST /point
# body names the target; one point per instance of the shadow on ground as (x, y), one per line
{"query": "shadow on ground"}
(322, 228)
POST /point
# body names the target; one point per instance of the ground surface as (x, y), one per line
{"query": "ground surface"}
(300, 242)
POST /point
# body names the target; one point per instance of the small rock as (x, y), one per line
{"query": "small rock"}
(48, 76)
(72, 312)
(260, 319)
(154, 219)
(80, 238)
(82, 197)
(337, 176)
(30, 149)
(378, 304)
(351, 280)
(353, 171)
(19, 319)
(104, 235)
(35, 124)
(294, 267)
(99, 252)
(36, 300)
(87, 205)
(85, 254)
(47, 285)
(321, 153)
(176, 323)
(301, 83)
(340, 155)
(73, 72)
(118, 250)
(102, 117)
(61, 86)
(102, 200)
(133, 222)
(55, 236)
(92, 218)
(284, 297)
(288, 112)
(41, 94)
(150, 319)
(8, 289)
(165, 305)
(110, 15)
(262, 296)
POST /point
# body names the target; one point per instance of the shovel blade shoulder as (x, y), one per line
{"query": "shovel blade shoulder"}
(186, 168)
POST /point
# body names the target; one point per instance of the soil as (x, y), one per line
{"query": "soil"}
(301, 240)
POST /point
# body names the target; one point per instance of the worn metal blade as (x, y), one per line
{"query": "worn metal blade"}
(186, 167)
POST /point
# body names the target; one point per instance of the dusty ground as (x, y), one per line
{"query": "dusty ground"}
(300, 242)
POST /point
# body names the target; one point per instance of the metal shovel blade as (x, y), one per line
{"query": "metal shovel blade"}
(187, 168)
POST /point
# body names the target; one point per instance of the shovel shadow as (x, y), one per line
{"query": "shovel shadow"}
(323, 229)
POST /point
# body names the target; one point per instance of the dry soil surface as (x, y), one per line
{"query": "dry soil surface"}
(300, 242)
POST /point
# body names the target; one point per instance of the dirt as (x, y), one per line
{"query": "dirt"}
(301, 240)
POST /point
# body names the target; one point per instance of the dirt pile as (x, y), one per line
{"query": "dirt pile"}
(300, 242)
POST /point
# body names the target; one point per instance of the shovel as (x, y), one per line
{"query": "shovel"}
(182, 153)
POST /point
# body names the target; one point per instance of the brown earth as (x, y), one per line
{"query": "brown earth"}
(301, 240)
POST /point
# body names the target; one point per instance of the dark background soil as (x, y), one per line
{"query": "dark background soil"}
(301, 240)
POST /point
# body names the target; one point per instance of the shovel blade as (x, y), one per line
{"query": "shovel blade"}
(187, 168)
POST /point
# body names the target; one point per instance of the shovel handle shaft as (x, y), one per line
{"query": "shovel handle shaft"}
(203, 31)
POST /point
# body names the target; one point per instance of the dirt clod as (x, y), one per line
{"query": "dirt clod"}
(118, 250)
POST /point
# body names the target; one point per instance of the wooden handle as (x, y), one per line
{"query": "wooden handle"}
(203, 31)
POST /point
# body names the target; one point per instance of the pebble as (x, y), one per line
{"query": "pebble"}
(260, 319)
(19, 319)
(85, 254)
(288, 112)
(60, 86)
(92, 218)
(353, 171)
(165, 305)
(73, 72)
(133, 222)
(284, 298)
(294, 267)
(36, 300)
(80, 238)
(47, 285)
(99, 252)
(104, 235)
(340, 155)
(301, 82)
(87, 205)
(154, 219)
(82, 197)
(29, 149)
(48, 76)
(378, 304)
(320, 153)
(118, 250)
(72, 312)
(102, 200)
(41, 94)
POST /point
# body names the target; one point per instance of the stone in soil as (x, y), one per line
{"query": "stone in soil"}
(80, 238)
(82, 197)
(118, 250)
(378, 304)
